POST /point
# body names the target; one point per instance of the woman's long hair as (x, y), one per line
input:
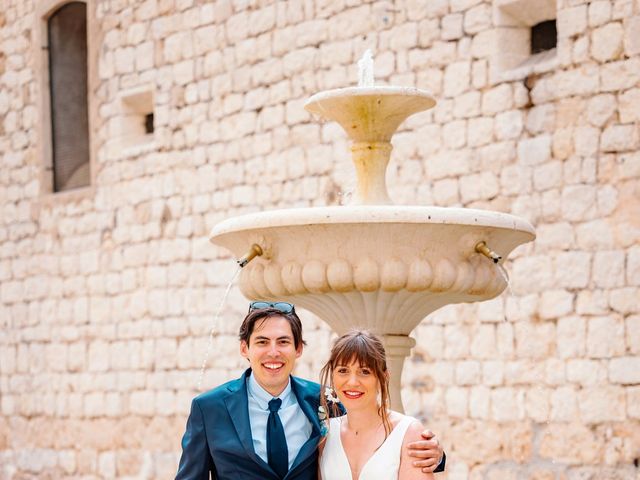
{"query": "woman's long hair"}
(367, 350)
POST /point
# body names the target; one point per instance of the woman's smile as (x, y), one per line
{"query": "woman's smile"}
(352, 394)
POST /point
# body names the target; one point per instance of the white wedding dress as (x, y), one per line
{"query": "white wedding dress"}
(384, 464)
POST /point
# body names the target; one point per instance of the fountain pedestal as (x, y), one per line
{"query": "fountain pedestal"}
(397, 347)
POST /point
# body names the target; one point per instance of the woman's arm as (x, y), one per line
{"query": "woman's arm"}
(407, 470)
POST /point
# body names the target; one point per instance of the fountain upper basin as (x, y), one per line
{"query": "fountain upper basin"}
(380, 267)
(369, 114)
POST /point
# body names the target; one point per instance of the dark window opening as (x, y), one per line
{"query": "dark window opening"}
(543, 36)
(148, 123)
(67, 36)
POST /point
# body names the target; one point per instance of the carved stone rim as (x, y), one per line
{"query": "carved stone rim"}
(366, 214)
(475, 277)
(381, 90)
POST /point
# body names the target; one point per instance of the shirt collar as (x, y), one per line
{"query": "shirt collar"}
(262, 397)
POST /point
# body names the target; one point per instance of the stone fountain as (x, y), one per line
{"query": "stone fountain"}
(373, 264)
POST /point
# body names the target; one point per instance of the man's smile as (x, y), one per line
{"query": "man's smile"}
(273, 366)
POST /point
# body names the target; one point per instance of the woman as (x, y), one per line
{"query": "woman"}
(368, 443)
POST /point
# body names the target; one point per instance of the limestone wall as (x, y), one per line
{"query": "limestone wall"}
(108, 293)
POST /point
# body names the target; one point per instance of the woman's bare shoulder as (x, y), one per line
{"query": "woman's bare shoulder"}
(414, 431)
(397, 417)
(407, 470)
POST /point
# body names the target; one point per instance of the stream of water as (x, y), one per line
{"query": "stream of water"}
(214, 328)
(505, 276)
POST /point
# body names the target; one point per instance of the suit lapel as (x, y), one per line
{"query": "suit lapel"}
(308, 401)
(237, 405)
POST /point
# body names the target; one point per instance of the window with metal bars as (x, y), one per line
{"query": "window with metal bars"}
(68, 87)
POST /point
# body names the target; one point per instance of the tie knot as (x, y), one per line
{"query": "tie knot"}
(274, 405)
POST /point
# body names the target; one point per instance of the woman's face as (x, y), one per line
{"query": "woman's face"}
(355, 385)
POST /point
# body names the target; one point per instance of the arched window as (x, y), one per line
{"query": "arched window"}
(68, 94)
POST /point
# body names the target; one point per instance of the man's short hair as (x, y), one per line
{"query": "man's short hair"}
(253, 317)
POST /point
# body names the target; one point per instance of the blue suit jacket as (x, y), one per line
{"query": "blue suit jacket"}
(218, 436)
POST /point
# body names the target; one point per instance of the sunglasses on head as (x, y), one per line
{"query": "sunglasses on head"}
(283, 307)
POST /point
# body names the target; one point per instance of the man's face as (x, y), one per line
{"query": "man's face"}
(271, 353)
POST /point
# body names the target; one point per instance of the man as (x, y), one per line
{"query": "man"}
(267, 423)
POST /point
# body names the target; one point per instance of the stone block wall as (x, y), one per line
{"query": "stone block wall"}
(107, 294)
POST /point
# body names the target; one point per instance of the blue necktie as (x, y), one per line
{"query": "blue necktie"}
(277, 452)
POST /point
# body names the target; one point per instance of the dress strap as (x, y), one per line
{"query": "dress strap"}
(401, 428)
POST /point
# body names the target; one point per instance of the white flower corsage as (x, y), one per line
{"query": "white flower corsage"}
(322, 413)
(330, 395)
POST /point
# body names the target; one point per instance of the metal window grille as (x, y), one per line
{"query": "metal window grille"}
(67, 36)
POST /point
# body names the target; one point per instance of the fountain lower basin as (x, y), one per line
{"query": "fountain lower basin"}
(384, 268)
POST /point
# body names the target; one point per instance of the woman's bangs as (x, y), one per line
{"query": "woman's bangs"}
(355, 351)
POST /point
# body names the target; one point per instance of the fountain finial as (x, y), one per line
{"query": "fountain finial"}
(365, 69)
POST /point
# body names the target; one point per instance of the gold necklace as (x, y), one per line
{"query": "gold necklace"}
(366, 430)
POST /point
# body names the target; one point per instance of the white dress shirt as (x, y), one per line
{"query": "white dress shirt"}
(297, 427)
